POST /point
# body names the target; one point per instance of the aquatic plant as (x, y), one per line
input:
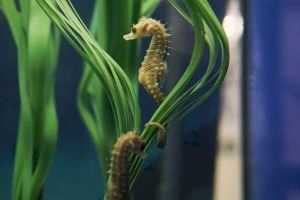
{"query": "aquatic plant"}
(94, 104)
(107, 96)
(37, 47)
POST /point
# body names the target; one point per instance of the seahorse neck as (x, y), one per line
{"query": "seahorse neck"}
(158, 46)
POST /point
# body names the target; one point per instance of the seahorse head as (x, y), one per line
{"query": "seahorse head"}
(142, 29)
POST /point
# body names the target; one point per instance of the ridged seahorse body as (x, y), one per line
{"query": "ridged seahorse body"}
(153, 67)
(126, 144)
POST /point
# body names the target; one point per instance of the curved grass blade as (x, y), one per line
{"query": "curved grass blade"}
(198, 12)
(37, 56)
(119, 90)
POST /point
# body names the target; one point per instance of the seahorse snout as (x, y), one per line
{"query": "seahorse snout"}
(130, 36)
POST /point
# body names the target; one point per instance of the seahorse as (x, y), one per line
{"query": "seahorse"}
(153, 67)
(128, 143)
(161, 134)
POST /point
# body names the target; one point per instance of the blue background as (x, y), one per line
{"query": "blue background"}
(274, 96)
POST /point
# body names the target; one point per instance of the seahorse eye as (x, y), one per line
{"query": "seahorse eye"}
(133, 29)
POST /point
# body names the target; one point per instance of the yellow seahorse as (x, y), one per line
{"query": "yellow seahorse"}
(153, 67)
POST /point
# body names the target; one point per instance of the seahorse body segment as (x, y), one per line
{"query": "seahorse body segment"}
(119, 185)
(153, 67)
(161, 134)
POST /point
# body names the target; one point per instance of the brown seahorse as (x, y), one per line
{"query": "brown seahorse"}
(161, 134)
(128, 143)
(153, 67)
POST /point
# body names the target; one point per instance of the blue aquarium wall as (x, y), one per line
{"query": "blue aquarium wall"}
(273, 99)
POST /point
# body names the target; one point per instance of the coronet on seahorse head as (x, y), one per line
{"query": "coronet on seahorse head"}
(143, 28)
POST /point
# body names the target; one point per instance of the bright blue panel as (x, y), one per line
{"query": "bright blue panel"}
(274, 98)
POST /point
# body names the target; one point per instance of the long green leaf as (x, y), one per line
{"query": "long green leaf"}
(175, 103)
